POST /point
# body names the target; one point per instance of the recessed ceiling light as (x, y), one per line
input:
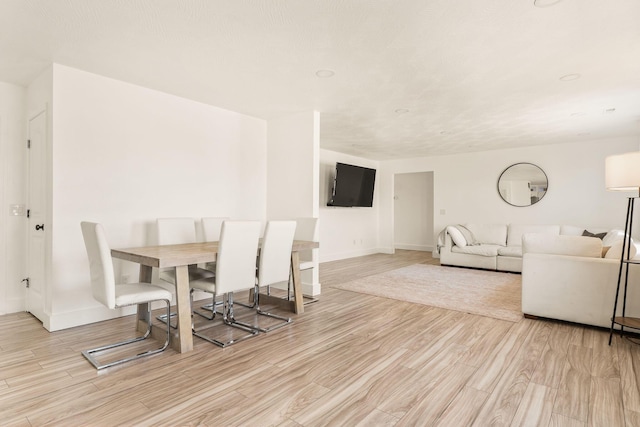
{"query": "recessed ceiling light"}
(545, 3)
(569, 77)
(402, 110)
(325, 73)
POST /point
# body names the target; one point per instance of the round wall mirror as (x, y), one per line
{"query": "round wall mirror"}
(522, 184)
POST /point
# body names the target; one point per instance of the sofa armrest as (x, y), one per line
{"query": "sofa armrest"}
(448, 244)
(575, 289)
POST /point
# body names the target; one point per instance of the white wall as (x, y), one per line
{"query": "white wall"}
(124, 155)
(292, 164)
(12, 185)
(465, 187)
(413, 211)
(293, 176)
(345, 232)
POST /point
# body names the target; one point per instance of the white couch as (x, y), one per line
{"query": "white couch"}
(498, 246)
(566, 278)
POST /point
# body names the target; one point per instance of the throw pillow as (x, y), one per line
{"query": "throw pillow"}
(612, 237)
(615, 252)
(467, 234)
(598, 235)
(456, 236)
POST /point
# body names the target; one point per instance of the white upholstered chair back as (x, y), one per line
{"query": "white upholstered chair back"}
(275, 254)
(237, 252)
(100, 263)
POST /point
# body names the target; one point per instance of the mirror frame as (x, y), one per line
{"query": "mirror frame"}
(517, 164)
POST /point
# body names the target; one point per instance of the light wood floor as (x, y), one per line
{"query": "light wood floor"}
(351, 359)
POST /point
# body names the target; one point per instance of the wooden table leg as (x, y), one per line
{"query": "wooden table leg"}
(143, 309)
(185, 337)
(297, 286)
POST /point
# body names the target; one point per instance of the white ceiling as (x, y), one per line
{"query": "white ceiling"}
(474, 75)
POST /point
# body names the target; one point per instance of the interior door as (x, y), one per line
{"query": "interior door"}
(37, 228)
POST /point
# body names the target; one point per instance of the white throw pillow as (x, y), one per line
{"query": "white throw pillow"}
(456, 236)
(613, 237)
(615, 252)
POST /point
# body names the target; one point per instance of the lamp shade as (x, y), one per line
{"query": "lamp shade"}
(622, 172)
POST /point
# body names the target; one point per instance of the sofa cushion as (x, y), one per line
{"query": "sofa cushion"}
(562, 245)
(482, 250)
(516, 231)
(492, 234)
(514, 251)
(456, 236)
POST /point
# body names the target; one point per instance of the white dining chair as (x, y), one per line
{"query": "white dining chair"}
(274, 265)
(307, 230)
(173, 231)
(114, 296)
(211, 227)
(235, 271)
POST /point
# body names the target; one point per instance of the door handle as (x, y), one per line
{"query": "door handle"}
(39, 227)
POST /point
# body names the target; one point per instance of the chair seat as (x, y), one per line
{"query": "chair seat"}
(207, 284)
(138, 293)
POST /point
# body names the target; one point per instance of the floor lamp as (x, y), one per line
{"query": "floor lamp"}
(622, 173)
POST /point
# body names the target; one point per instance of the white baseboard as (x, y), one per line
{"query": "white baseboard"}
(84, 316)
(308, 289)
(346, 255)
(13, 305)
(408, 247)
(387, 250)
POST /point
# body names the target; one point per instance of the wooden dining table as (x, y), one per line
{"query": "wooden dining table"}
(181, 257)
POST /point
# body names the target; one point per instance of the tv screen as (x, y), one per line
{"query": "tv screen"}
(352, 186)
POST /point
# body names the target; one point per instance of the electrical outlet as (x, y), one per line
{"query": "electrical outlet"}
(18, 210)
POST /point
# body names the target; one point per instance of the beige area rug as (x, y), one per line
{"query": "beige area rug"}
(486, 293)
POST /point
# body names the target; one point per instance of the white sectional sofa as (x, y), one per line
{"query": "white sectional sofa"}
(566, 278)
(495, 246)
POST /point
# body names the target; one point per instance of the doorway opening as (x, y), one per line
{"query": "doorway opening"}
(413, 211)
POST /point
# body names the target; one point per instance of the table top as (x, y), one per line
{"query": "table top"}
(184, 254)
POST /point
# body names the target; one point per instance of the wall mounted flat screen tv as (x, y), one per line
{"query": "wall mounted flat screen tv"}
(352, 186)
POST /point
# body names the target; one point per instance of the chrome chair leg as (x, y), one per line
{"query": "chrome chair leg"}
(255, 298)
(209, 307)
(256, 305)
(89, 354)
(229, 320)
(163, 319)
(309, 300)
(212, 308)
